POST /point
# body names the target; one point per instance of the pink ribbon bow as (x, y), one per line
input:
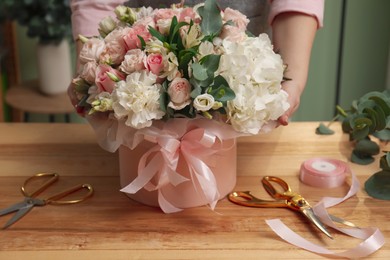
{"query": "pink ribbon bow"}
(161, 161)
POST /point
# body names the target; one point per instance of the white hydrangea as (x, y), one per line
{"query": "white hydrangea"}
(137, 100)
(254, 72)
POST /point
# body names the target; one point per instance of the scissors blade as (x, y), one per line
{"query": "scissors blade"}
(19, 214)
(12, 208)
(309, 213)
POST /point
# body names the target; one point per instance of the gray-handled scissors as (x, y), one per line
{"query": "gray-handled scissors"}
(30, 200)
(287, 199)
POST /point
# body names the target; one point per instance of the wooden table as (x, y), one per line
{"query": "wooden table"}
(111, 226)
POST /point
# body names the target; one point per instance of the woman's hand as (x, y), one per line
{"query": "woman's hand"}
(294, 96)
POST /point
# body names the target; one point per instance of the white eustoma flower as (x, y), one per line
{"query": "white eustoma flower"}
(137, 100)
(204, 102)
(254, 72)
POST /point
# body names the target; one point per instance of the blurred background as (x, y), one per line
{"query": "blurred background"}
(350, 57)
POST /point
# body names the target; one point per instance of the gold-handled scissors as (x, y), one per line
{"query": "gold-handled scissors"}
(285, 199)
(30, 200)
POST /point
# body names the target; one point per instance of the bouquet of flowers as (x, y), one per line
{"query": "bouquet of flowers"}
(158, 64)
(188, 79)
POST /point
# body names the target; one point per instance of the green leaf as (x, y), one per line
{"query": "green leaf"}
(383, 135)
(199, 71)
(211, 23)
(381, 120)
(382, 103)
(359, 134)
(378, 185)
(323, 130)
(361, 160)
(374, 118)
(197, 89)
(211, 62)
(362, 122)
(143, 44)
(223, 93)
(156, 34)
(366, 147)
(384, 162)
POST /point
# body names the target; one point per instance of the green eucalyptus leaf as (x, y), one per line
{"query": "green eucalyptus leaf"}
(323, 130)
(361, 159)
(365, 104)
(223, 93)
(211, 63)
(371, 113)
(382, 103)
(366, 147)
(362, 122)
(383, 135)
(199, 72)
(378, 185)
(346, 125)
(388, 159)
(381, 120)
(359, 134)
(384, 162)
(211, 23)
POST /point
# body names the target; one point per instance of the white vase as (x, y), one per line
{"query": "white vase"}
(54, 67)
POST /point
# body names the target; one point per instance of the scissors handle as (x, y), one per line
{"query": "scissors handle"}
(245, 198)
(53, 177)
(56, 199)
(270, 188)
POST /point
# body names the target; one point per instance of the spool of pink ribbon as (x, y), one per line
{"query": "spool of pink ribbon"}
(330, 173)
(323, 173)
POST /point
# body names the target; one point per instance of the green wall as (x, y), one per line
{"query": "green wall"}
(362, 68)
(364, 57)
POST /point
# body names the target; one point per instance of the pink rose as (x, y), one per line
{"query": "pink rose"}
(239, 20)
(113, 53)
(232, 33)
(155, 63)
(88, 71)
(146, 22)
(179, 93)
(91, 50)
(131, 38)
(103, 81)
(165, 13)
(115, 48)
(186, 15)
(134, 61)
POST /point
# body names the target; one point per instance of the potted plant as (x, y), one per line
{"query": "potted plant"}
(50, 22)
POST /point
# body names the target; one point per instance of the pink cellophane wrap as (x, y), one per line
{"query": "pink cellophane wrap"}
(176, 164)
(373, 238)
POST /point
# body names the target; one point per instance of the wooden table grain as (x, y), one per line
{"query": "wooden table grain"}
(111, 226)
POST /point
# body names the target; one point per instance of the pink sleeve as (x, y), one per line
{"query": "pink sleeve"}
(314, 8)
(86, 15)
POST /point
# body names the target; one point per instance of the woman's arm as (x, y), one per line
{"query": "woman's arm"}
(293, 36)
(294, 25)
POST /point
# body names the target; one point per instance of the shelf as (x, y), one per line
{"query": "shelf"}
(26, 98)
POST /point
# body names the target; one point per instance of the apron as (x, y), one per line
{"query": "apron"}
(255, 10)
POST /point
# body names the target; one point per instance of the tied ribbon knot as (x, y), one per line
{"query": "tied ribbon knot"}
(157, 167)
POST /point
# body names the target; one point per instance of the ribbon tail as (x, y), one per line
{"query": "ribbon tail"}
(205, 177)
(145, 174)
(165, 205)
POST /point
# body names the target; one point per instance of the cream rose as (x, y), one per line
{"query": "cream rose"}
(134, 61)
(91, 50)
